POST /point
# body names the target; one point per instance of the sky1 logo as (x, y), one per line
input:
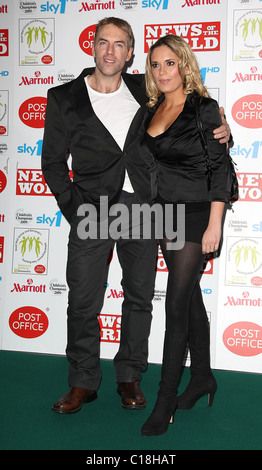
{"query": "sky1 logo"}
(254, 151)
(54, 8)
(155, 4)
(31, 150)
(56, 220)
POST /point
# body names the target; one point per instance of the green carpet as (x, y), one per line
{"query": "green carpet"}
(31, 383)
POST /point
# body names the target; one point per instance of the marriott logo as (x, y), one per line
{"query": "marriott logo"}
(115, 294)
(243, 301)
(253, 76)
(193, 3)
(37, 80)
(29, 287)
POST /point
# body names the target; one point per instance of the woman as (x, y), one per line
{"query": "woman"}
(174, 86)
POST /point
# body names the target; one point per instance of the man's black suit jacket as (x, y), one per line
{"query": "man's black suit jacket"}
(98, 163)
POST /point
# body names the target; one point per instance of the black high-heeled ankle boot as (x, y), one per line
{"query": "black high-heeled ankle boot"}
(202, 381)
(161, 416)
(166, 404)
(197, 388)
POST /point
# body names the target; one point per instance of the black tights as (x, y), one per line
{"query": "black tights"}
(184, 302)
(185, 316)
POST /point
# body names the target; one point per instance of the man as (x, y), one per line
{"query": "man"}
(97, 117)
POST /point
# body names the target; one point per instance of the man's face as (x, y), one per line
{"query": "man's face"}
(111, 50)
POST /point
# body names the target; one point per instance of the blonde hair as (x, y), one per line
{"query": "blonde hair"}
(188, 68)
(119, 23)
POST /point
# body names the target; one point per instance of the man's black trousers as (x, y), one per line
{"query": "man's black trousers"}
(87, 269)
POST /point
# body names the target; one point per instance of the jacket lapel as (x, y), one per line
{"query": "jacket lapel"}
(137, 88)
(79, 97)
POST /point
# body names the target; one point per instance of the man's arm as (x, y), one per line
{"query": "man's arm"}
(55, 147)
(55, 155)
(223, 133)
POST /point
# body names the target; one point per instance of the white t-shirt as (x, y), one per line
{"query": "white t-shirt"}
(116, 111)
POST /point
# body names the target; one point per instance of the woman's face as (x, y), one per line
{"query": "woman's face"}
(164, 67)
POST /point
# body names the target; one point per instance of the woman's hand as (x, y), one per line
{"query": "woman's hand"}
(211, 239)
(212, 235)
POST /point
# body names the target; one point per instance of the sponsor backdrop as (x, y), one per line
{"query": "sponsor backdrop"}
(47, 43)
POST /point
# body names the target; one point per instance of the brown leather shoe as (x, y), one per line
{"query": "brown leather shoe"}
(132, 396)
(73, 400)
